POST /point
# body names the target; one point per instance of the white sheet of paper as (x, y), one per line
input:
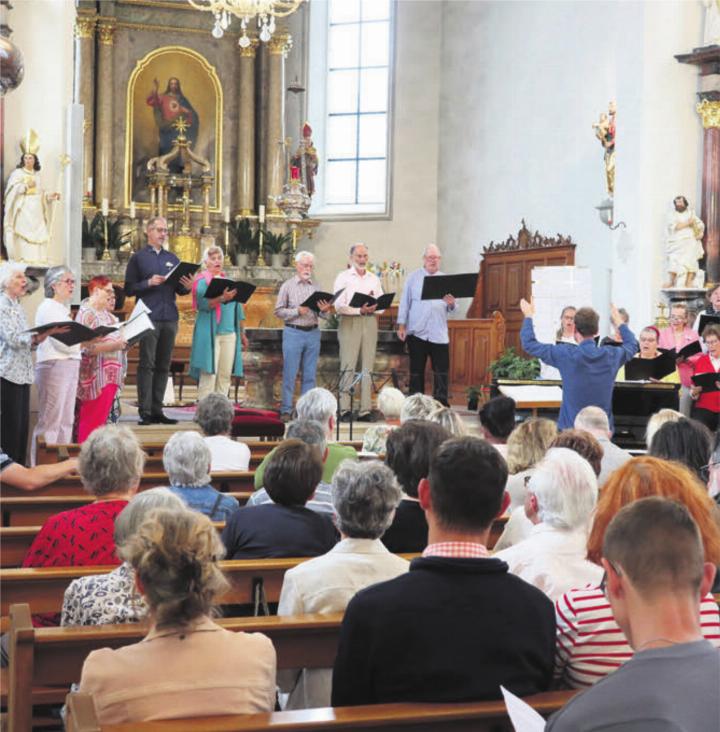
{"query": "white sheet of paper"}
(532, 393)
(140, 307)
(135, 326)
(523, 717)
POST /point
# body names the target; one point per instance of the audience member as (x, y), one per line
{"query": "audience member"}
(561, 495)
(584, 444)
(497, 421)
(186, 458)
(187, 665)
(418, 406)
(215, 415)
(110, 465)
(657, 420)
(311, 433)
(590, 644)
(390, 403)
(410, 449)
(113, 597)
(450, 420)
(594, 421)
(526, 447)
(655, 575)
(319, 405)
(365, 496)
(285, 527)
(687, 441)
(713, 470)
(457, 625)
(31, 479)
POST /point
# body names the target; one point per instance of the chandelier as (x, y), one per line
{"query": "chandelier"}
(265, 10)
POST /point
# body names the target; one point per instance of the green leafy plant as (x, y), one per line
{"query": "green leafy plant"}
(473, 397)
(275, 243)
(331, 322)
(246, 240)
(93, 234)
(510, 365)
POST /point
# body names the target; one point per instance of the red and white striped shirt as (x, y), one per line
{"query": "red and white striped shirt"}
(457, 550)
(589, 643)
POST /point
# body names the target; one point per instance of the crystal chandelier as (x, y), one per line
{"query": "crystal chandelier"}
(265, 10)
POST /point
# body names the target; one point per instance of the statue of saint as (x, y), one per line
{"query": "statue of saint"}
(168, 106)
(27, 207)
(605, 132)
(684, 242)
(711, 37)
(306, 159)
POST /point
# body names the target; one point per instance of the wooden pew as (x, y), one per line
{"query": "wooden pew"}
(31, 509)
(421, 717)
(45, 661)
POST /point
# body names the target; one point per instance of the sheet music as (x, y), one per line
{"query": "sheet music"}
(531, 393)
(523, 717)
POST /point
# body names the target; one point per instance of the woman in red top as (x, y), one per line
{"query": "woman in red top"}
(707, 403)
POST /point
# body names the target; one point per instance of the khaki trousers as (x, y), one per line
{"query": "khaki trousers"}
(224, 360)
(357, 336)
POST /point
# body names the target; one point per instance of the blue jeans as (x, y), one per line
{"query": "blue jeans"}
(298, 346)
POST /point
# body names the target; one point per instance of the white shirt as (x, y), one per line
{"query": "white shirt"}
(51, 349)
(353, 281)
(326, 584)
(613, 458)
(228, 456)
(553, 560)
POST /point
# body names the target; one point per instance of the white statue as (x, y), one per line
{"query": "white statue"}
(712, 23)
(684, 242)
(27, 207)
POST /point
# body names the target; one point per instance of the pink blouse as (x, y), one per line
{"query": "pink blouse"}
(667, 340)
(97, 370)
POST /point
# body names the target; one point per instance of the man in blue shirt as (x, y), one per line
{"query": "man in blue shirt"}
(422, 324)
(588, 371)
(145, 278)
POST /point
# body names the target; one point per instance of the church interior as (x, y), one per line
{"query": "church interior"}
(565, 153)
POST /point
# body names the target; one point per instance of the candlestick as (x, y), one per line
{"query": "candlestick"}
(106, 251)
(105, 207)
(261, 214)
(89, 188)
(132, 209)
(227, 215)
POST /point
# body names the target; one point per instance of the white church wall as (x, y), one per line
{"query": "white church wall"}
(521, 84)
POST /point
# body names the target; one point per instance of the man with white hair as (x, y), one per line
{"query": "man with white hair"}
(422, 324)
(357, 331)
(561, 495)
(321, 406)
(301, 335)
(595, 421)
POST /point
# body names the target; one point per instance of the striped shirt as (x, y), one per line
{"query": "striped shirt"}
(292, 294)
(589, 643)
(457, 550)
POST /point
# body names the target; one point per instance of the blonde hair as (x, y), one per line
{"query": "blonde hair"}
(445, 417)
(657, 420)
(174, 555)
(529, 442)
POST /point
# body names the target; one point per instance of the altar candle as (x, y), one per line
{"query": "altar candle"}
(261, 214)
(89, 188)
(132, 209)
(105, 207)
(227, 215)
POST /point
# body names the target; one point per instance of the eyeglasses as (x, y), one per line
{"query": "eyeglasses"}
(705, 471)
(68, 281)
(603, 581)
(159, 230)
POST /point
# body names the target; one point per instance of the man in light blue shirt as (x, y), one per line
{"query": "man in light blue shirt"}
(422, 324)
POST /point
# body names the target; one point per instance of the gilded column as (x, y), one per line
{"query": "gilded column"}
(85, 92)
(278, 46)
(709, 111)
(103, 151)
(246, 131)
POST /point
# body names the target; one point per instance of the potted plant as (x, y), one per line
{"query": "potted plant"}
(473, 396)
(511, 365)
(274, 247)
(246, 241)
(93, 237)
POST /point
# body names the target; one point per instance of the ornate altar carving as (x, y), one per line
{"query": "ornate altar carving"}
(526, 240)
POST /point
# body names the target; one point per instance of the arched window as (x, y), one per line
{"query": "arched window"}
(349, 104)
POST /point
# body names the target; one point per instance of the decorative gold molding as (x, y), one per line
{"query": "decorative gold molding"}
(85, 26)
(166, 28)
(106, 31)
(280, 44)
(709, 113)
(251, 50)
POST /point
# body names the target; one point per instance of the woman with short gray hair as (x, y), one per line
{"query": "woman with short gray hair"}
(365, 495)
(56, 365)
(390, 402)
(113, 597)
(110, 465)
(186, 459)
(418, 406)
(215, 414)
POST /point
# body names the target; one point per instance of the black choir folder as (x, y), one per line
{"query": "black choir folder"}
(642, 369)
(435, 287)
(707, 381)
(384, 301)
(686, 351)
(218, 285)
(180, 270)
(76, 333)
(706, 319)
(316, 297)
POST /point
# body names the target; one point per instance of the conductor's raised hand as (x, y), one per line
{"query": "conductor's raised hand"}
(528, 308)
(615, 317)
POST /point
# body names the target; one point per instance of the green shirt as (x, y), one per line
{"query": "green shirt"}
(336, 454)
